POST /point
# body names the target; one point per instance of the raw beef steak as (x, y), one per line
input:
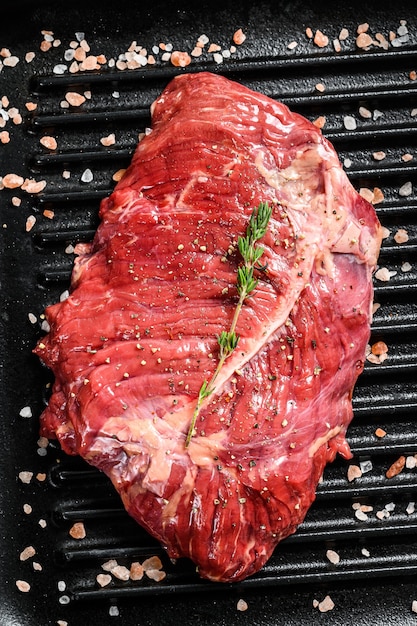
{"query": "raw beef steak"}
(133, 343)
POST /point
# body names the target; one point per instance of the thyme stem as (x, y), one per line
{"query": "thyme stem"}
(246, 284)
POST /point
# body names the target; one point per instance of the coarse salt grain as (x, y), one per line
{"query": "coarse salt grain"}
(242, 605)
(60, 69)
(121, 572)
(110, 140)
(26, 411)
(406, 267)
(361, 515)
(384, 274)
(349, 122)
(136, 571)
(326, 605)
(153, 562)
(27, 553)
(363, 40)
(74, 99)
(365, 552)
(366, 466)
(411, 507)
(33, 186)
(336, 45)
(103, 579)
(12, 181)
(23, 586)
(365, 113)
(11, 61)
(407, 157)
(292, 45)
(406, 189)
(401, 236)
(87, 176)
(30, 223)
(155, 575)
(320, 121)
(354, 471)
(239, 37)
(114, 611)
(48, 142)
(16, 201)
(379, 155)
(414, 606)
(25, 477)
(333, 556)
(395, 469)
(380, 433)
(77, 531)
(320, 39)
(410, 462)
(27, 509)
(109, 565)
(118, 175)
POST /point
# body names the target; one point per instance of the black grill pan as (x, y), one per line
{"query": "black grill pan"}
(375, 580)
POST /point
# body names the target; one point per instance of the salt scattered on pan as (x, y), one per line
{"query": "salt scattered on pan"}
(32, 318)
(60, 69)
(25, 412)
(64, 295)
(390, 507)
(349, 122)
(414, 606)
(406, 189)
(347, 163)
(406, 267)
(411, 507)
(410, 462)
(333, 556)
(116, 94)
(64, 600)
(242, 605)
(377, 114)
(87, 176)
(361, 515)
(45, 326)
(114, 611)
(365, 552)
(366, 466)
(61, 585)
(384, 274)
(69, 54)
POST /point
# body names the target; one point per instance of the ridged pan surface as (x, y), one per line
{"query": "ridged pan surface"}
(358, 544)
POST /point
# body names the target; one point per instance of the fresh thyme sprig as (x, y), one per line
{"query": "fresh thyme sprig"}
(246, 283)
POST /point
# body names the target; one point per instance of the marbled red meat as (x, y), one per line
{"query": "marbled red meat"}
(136, 338)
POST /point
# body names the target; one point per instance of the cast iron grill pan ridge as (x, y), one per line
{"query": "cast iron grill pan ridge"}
(378, 556)
(385, 396)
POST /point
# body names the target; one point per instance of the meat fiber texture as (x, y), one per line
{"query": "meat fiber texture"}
(137, 336)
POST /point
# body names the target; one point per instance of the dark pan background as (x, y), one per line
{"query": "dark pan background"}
(377, 589)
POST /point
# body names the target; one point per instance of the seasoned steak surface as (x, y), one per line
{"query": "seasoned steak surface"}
(133, 343)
